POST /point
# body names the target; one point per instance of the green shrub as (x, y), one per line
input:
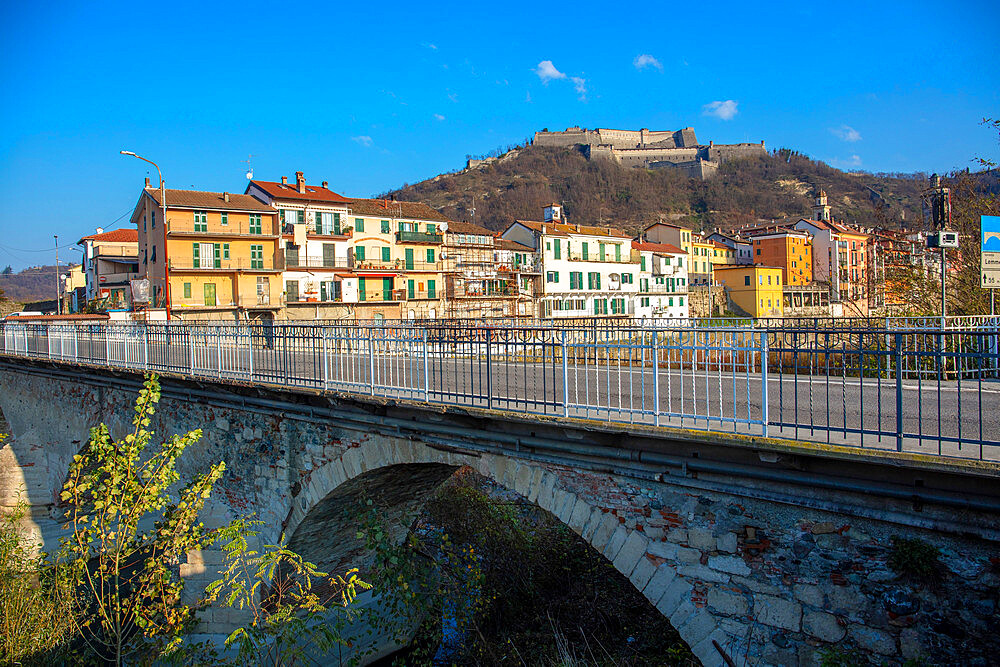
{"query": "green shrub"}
(914, 557)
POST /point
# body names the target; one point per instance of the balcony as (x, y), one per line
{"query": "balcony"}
(267, 229)
(664, 289)
(632, 257)
(393, 265)
(274, 263)
(118, 279)
(113, 252)
(300, 262)
(418, 237)
(223, 302)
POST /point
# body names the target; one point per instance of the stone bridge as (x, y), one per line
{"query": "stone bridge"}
(758, 551)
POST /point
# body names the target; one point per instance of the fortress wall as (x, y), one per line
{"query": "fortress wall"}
(724, 152)
(640, 157)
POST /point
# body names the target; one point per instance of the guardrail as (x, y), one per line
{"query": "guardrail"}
(934, 392)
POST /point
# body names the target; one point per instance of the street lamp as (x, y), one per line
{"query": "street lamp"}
(163, 206)
(58, 286)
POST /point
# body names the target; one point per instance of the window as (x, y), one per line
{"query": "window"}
(225, 219)
(336, 225)
(600, 248)
(593, 280)
(642, 263)
(385, 254)
(152, 217)
(359, 224)
(209, 293)
(431, 229)
(256, 256)
(255, 227)
(225, 251)
(152, 257)
(746, 280)
(670, 301)
(586, 254)
(681, 299)
(618, 252)
(319, 222)
(548, 245)
(291, 290)
(200, 221)
(769, 280)
(385, 226)
(666, 261)
(644, 301)
(552, 276)
(359, 253)
(600, 306)
(556, 250)
(627, 279)
(758, 251)
(431, 289)
(576, 280)
(617, 306)
(430, 255)
(300, 216)
(187, 290)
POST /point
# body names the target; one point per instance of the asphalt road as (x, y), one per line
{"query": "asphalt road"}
(951, 417)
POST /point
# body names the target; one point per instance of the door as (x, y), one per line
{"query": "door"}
(291, 291)
(329, 254)
(209, 293)
(409, 289)
(409, 259)
(263, 290)
(206, 256)
(387, 289)
(362, 292)
(292, 255)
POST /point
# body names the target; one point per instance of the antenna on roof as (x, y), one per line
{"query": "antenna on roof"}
(249, 167)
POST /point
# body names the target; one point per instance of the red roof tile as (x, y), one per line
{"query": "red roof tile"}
(288, 191)
(114, 236)
(658, 247)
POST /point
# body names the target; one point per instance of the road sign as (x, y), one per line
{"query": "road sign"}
(989, 256)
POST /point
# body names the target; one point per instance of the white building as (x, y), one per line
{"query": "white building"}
(110, 262)
(663, 281)
(585, 271)
(742, 248)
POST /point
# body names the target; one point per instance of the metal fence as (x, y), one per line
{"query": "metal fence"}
(912, 389)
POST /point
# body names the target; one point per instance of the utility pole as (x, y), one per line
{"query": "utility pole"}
(58, 284)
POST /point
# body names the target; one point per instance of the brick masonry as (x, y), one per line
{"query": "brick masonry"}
(766, 583)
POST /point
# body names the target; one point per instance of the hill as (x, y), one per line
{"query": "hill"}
(31, 284)
(772, 186)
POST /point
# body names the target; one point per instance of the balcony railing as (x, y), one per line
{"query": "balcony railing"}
(664, 289)
(274, 263)
(111, 252)
(301, 262)
(109, 279)
(632, 257)
(235, 228)
(394, 265)
(418, 237)
(244, 301)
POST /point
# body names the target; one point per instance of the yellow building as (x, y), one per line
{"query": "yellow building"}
(216, 258)
(756, 290)
(700, 261)
(723, 255)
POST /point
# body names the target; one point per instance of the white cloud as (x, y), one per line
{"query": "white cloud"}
(453, 97)
(527, 97)
(852, 163)
(581, 86)
(645, 60)
(723, 110)
(363, 139)
(433, 47)
(546, 71)
(846, 133)
(438, 116)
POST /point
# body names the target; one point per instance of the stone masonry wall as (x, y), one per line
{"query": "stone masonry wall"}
(767, 583)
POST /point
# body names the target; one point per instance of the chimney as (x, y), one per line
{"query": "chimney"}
(300, 182)
(284, 180)
(325, 184)
(225, 195)
(147, 181)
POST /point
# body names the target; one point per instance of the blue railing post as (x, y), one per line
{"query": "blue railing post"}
(764, 416)
(565, 374)
(656, 377)
(899, 391)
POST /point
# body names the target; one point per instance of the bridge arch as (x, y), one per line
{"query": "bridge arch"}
(411, 471)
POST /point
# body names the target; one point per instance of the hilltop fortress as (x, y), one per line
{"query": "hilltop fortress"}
(650, 149)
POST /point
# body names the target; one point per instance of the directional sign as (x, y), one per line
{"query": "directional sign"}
(989, 256)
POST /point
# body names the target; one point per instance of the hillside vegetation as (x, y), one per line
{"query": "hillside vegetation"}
(772, 186)
(34, 284)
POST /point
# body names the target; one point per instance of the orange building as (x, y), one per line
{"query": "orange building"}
(787, 249)
(216, 258)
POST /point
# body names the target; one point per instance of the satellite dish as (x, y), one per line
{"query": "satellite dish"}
(250, 175)
(443, 226)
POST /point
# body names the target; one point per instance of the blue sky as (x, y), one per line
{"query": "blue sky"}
(375, 95)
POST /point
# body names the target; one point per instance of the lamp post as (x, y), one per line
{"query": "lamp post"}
(163, 206)
(58, 286)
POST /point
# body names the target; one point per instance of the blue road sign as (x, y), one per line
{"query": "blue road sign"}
(990, 226)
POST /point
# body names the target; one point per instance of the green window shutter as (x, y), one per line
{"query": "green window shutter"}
(430, 255)
(385, 227)
(590, 281)
(225, 218)
(410, 292)
(385, 254)
(586, 254)
(359, 253)
(642, 263)
(187, 290)
(319, 225)
(601, 247)
(301, 217)
(431, 289)
(618, 252)
(387, 289)
(336, 223)
(225, 251)
(359, 224)
(194, 254)
(556, 250)
(218, 255)
(362, 294)
(431, 228)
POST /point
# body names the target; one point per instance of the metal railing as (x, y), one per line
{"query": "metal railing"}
(933, 392)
